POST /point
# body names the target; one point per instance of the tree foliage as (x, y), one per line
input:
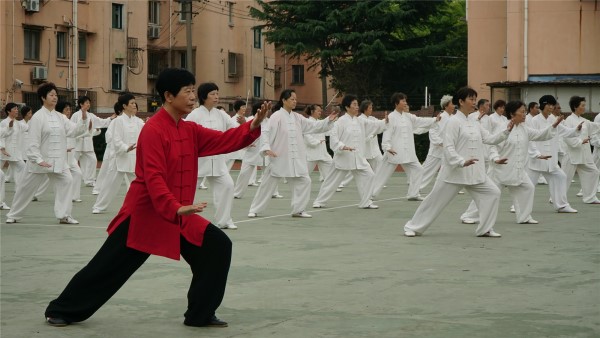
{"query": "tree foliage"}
(369, 47)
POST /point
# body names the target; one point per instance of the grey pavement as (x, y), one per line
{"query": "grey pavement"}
(347, 272)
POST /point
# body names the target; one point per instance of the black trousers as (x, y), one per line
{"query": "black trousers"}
(114, 263)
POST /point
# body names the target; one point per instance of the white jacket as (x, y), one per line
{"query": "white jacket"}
(578, 153)
(85, 141)
(372, 149)
(436, 136)
(399, 136)
(316, 149)
(13, 140)
(48, 131)
(351, 132)
(284, 136)
(548, 147)
(125, 132)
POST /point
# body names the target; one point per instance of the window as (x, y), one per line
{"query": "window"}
(183, 59)
(82, 47)
(257, 86)
(117, 77)
(117, 16)
(277, 77)
(257, 38)
(184, 10)
(232, 64)
(230, 13)
(298, 74)
(154, 12)
(61, 45)
(32, 43)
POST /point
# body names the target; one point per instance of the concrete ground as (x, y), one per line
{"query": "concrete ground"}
(346, 272)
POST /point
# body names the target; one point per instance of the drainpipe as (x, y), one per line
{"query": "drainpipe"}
(525, 42)
(75, 49)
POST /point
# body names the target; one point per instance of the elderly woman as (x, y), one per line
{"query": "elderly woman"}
(316, 149)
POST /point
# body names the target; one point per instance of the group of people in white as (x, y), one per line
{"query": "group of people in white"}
(516, 146)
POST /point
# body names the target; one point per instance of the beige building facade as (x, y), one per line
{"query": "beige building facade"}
(523, 49)
(102, 48)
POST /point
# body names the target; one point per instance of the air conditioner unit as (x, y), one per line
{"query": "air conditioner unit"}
(40, 73)
(153, 32)
(31, 5)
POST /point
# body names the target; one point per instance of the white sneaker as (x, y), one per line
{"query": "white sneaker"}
(96, 211)
(338, 190)
(580, 193)
(512, 209)
(202, 187)
(4, 206)
(542, 180)
(550, 200)
(567, 210)
(228, 226)
(492, 234)
(277, 196)
(302, 214)
(34, 199)
(68, 220)
(90, 184)
(252, 214)
(11, 220)
(253, 184)
(237, 197)
(77, 200)
(409, 233)
(318, 206)
(95, 192)
(461, 192)
(371, 206)
(468, 221)
(530, 221)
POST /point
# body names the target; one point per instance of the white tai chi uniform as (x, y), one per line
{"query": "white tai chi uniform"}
(595, 141)
(283, 135)
(106, 160)
(3, 205)
(372, 150)
(513, 174)
(578, 156)
(433, 162)
(125, 132)
(399, 137)
(463, 140)
(48, 131)
(214, 168)
(556, 178)
(84, 146)
(351, 132)
(316, 152)
(13, 139)
(238, 154)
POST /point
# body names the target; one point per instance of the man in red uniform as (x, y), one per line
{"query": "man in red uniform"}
(158, 215)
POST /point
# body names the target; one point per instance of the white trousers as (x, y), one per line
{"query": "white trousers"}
(243, 179)
(414, 173)
(486, 195)
(2, 187)
(324, 167)
(522, 199)
(300, 187)
(588, 177)
(431, 166)
(363, 178)
(18, 169)
(557, 184)
(110, 187)
(87, 162)
(101, 174)
(63, 203)
(222, 191)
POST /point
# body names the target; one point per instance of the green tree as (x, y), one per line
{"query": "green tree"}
(358, 37)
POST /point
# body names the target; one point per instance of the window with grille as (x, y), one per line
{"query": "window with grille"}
(82, 46)
(117, 77)
(117, 16)
(62, 45)
(298, 74)
(31, 41)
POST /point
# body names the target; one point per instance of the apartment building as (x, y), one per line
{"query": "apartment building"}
(523, 49)
(102, 48)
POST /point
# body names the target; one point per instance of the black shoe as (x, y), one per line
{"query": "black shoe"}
(216, 322)
(58, 322)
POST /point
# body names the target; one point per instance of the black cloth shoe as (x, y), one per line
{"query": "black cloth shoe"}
(58, 322)
(216, 322)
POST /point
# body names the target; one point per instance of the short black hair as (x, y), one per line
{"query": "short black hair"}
(364, 105)
(124, 99)
(285, 94)
(256, 107)
(575, 101)
(531, 105)
(172, 80)
(9, 106)
(24, 110)
(499, 103)
(462, 94)
(512, 107)
(397, 97)
(238, 104)
(82, 99)
(347, 100)
(118, 108)
(204, 89)
(547, 99)
(44, 89)
(481, 102)
(61, 105)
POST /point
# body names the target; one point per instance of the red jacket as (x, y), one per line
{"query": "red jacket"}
(166, 172)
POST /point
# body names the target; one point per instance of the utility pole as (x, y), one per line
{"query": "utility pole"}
(187, 11)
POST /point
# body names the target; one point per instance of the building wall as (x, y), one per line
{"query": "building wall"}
(215, 33)
(562, 38)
